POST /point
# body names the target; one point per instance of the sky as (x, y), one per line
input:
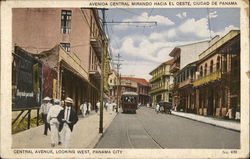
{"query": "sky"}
(144, 46)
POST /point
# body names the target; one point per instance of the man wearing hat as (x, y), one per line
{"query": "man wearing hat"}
(44, 109)
(67, 118)
(54, 123)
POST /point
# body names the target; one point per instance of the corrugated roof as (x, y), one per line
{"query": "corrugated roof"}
(141, 81)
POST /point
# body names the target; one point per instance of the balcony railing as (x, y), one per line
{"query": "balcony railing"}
(186, 82)
(162, 88)
(156, 77)
(95, 70)
(96, 43)
(206, 79)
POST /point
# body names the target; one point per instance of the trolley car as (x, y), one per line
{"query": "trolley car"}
(129, 102)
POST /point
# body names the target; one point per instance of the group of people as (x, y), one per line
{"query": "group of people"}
(85, 108)
(108, 106)
(60, 118)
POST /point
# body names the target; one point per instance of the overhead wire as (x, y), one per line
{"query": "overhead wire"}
(136, 57)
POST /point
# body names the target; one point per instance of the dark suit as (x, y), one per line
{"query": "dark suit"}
(73, 118)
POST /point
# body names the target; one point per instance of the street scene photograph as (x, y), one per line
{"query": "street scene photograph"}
(126, 78)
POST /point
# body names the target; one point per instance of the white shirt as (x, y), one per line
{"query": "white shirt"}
(85, 106)
(89, 107)
(98, 104)
(81, 107)
(67, 113)
(53, 112)
(45, 108)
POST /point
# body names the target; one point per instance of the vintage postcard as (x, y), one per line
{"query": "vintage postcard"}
(124, 79)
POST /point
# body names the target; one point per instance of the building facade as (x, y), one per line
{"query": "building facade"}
(161, 83)
(113, 81)
(70, 40)
(183, 56)
(217, 86)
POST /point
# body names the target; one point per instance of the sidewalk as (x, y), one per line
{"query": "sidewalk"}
(85, 133)
(228, 124)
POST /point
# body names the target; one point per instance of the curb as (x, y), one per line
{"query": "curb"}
(100, 136)
(208, 123)
(236, 130)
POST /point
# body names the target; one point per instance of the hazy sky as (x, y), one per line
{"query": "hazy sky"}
(145, 46)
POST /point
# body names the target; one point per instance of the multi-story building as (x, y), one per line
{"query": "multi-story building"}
(113, 81)
(138, 85)
(74, 37)
(217, 86)
(161, 83)
(183, 69)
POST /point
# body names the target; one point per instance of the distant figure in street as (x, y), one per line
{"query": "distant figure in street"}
(97, 106)
(54, 123)
(83, 108)
(110, 105)
(89, 108)
(44, 109)
(67, 119)
(105, 105)
(114, 106)
(157, 109)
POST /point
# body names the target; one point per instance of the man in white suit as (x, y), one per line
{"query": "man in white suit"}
(54, 123)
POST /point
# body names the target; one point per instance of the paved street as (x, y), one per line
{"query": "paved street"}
(146, 129)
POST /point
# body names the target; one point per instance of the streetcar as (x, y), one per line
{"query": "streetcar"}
(129, 102)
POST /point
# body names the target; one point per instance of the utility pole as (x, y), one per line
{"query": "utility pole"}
(104, 45)
(118, 67)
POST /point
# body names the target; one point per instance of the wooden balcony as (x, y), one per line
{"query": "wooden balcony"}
(156, 77)
(209, 78)
(96, 43)
(185, 83)
(95, 71)
(157, 90)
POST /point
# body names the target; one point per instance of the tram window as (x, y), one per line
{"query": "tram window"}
(129, 99)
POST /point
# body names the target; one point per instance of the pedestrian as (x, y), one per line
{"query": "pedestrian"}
(106, 106)
(54, 123)
(83, 109)
(157, 108)
(89, 107)
(67, 119)
(110, 105)
(97, 106)
(44, 109)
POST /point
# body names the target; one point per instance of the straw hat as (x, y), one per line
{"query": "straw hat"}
(46, 98)
(68, 100)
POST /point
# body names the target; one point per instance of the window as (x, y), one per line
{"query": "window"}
(66, 46)
(65, 21)
(205, 71)
(211, 66)
(201, 71)
(218, 64)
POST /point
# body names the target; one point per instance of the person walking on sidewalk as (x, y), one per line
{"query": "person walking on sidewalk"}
(157, 109)
(97, 106)
(89, 108)
(54, 123)
(83, 108)
(44, 109)
(67, 119)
